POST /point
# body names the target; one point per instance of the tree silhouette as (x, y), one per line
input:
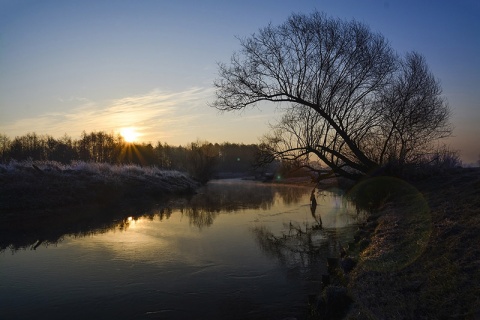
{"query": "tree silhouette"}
(348, 99)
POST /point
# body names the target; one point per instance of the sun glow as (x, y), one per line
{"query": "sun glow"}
(129, 134)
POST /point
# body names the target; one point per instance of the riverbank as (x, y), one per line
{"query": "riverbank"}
(419, 256)
(30, 186)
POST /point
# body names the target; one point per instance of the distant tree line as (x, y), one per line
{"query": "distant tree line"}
(201, 159)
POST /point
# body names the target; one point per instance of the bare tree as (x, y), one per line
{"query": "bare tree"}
(413, 114)
(338, 79)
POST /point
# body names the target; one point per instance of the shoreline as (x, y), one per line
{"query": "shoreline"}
(416, 257)
(45, 186)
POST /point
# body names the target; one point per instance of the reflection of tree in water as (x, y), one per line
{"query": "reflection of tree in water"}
(297, 250)
(36, 228)
(33, 229)
(199, 217)
(291, 194)
(216, 197)
(231, 196)
(301, 248)
(238, 195)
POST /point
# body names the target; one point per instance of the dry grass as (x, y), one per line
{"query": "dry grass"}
(423, 261)
(26, 186)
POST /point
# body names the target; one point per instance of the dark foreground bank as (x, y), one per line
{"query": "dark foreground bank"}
(417, 257)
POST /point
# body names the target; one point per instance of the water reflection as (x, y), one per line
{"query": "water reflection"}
(252, 249)
(32, 229)
(304, 246)
(45, 228)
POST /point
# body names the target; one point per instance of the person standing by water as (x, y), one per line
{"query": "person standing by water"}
(313, 207)
(313, 200)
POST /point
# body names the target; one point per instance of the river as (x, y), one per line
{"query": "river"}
(235, 250)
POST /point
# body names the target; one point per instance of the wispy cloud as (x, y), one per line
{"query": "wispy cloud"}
(156, 115)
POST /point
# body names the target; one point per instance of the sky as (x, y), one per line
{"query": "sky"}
(68, 66)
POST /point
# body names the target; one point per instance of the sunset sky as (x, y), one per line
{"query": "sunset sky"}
(69, 66)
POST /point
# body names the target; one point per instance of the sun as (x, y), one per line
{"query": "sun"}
(129, 134)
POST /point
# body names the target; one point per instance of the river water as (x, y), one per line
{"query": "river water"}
(236, 250)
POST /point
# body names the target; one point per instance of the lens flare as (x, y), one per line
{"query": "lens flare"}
(404, 222)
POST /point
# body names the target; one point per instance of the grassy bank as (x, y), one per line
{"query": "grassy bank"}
(419, 255)
(27, 186)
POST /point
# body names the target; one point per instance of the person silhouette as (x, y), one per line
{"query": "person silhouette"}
(313, 200)
(313, 207)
